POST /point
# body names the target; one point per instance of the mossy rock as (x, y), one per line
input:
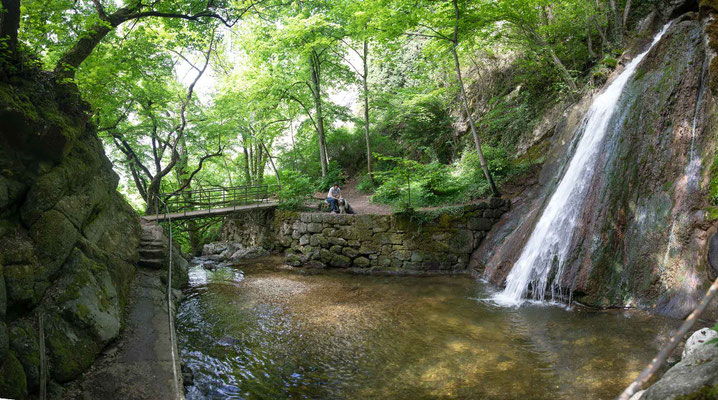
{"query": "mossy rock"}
(88, 297)
(4, 341)
(72, 350)
(54, 237)
(3, 293)
(25, 284)
(24, 342)
(13, 383)
(705, 393)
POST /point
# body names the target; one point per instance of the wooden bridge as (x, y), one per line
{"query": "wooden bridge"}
(203, 203)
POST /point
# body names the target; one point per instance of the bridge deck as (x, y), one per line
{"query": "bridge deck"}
(208, 213)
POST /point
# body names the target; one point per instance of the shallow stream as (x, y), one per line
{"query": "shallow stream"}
(260, 331)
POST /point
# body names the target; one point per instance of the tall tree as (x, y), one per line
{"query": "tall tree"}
(9, 26)
(432, 22)
(302, 51)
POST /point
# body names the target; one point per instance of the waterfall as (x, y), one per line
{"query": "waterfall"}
(549, 242)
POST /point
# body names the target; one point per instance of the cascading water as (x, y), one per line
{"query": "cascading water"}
(549, 242)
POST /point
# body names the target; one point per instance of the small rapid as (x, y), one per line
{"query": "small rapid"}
(540, 266)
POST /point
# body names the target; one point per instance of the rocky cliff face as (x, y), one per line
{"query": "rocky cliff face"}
(68, 240)
(644, 231)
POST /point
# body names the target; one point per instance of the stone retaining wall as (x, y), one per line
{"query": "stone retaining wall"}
(435, 241)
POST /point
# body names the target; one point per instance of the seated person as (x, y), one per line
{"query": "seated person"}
(333, 197)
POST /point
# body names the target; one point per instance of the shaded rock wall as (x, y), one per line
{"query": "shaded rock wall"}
(68, 240)
(440, 241)
(642, 237)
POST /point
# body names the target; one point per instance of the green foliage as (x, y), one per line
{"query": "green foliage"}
(609, 62)
(365, 184)
(434, 184)
(518, 59)
(296, 189)
(334, 175)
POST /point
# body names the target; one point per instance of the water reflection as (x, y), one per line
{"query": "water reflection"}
(263, 332)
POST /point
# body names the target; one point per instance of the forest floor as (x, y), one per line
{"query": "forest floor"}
(360, 202)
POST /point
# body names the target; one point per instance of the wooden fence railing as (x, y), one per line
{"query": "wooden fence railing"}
(214, 198)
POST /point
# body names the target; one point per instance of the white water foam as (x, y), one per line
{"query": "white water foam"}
(549, 242)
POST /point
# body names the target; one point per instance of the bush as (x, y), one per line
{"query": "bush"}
(436, 184)
(334, 175)
(365, 184)
(416, 184)
(296, 188)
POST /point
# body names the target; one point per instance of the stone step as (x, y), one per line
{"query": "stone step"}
(152, 244)
(150, 237)
(152, 252)
(151, 263)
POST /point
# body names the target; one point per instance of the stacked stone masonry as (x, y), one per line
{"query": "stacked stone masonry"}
(419, 242)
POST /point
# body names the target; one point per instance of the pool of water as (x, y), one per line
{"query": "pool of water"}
(260, 331)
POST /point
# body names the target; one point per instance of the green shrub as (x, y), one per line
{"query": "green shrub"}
(365, 184)
(414, 184)
(296, 188)
(334, 175)
(609, 62)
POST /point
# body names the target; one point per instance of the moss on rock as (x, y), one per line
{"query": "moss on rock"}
(13, 383)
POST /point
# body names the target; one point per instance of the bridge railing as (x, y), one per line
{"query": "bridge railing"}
(215, 198)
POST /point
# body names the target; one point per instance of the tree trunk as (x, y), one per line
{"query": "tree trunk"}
(71, 60)
(365, 78)
(10, 24)
(465, 101)
(274, 167)
(153, 191)
(247, 175)
(562, 69)
(589, 42)
(66, 67)
(477, 140)
(626, 11)
(617, 25)
(316, 94)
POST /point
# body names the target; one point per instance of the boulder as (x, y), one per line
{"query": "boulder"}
(213, 248)
(361, 262)
(698, 368)
(253, 252)
(13, 383)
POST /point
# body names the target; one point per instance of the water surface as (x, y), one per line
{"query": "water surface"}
(259, 331)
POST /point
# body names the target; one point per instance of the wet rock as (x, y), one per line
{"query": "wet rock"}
(713, 254)
(225, 341)
(698, 368)
(245, 254)
(187, 376)
(213, 248)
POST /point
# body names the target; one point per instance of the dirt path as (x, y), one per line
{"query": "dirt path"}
(359, 201)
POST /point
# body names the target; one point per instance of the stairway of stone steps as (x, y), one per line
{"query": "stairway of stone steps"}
(153, 246)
